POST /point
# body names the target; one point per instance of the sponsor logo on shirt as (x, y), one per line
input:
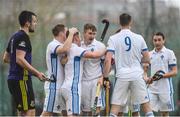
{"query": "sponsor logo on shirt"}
(19, 106)
(22, 44)
(32, 103)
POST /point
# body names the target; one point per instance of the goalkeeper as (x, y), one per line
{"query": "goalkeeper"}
(163, 68)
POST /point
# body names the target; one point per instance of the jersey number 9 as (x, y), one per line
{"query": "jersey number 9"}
(128, 43)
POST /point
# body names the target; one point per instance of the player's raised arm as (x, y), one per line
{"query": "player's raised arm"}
(95, 54)
(68, 42)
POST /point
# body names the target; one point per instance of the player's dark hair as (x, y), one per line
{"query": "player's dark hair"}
(25, 16)
(67, 33)
(124, 19)
(58, 28)
(160, 34)
(90, 26)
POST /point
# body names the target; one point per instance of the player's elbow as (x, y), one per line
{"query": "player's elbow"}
(145, 61)
(66, 49)
(93, 55)
(5, 59)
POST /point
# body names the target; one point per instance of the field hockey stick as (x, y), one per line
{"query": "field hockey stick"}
(107, 94)
(51, 78)
(96, 98)
(106, 22)
(129, 104)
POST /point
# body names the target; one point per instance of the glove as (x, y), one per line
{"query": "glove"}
(52, 78)
(112, 61)
(158, 75)
(106, 82)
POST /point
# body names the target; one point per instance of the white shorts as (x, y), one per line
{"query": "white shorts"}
(71, 101)
(162, 102)
(52, 101)
(130, 106)
(89, 94)
(138, 92)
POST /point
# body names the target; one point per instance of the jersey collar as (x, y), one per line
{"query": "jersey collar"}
(92, 44)
(57, 41)
(161, 51)
(125, 30)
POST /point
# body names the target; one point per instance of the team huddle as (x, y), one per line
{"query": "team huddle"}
(77, 66)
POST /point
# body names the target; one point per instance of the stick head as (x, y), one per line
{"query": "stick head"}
(105, 21)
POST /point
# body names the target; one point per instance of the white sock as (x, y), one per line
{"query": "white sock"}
(112, 115)
(149, 114)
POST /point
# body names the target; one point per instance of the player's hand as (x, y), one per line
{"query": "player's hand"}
(148, 80)
(106, 82)
(42, 77)
(73, 30)
(100, 81)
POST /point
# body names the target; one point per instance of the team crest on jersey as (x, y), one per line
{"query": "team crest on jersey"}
(19, 106)
(146, 97)
(58, 107)
(22, 44)
(162, 56)
(92, 49)
(69, 110)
